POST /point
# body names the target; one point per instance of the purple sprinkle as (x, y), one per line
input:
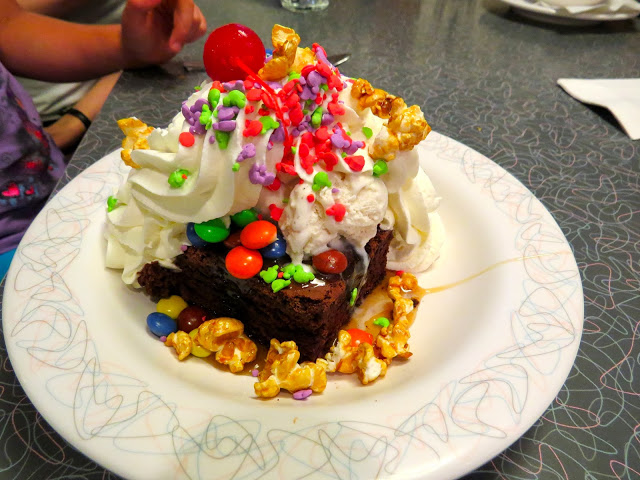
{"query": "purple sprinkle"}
(302, 394)
(186, 112)
(295, 133)
(212, 139)
(274, 85)
(327, 118)
(197, 107)
(237, 85)
(338, 141)
(258, 175)
(335, 190)
(277, 135)
(353, 148)
(314, 79)
(227, 113)
(183, 248)
(302, 81)
(255, 372)
(225, 126)
(163, 339)
(269, 145)
(248, 151)
(307, 94)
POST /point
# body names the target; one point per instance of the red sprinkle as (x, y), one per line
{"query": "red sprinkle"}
(399, 272)
(275, 186)
(355, 162)
(330, 160)
(187, 139)
(263, 112)
(254, 127)
(337, 211)
(323, 134)
(218, 86)
(275, 212)
(254, 94)
(310, 198)
(249, 109)
(248, 84)
(280, 274)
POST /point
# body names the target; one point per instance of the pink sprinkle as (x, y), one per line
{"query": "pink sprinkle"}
(183, 248)
(163, 339)
(335, 190)
(302, 394)
(255, 372)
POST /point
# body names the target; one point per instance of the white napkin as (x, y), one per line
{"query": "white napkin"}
(606, 6)
(621, 96)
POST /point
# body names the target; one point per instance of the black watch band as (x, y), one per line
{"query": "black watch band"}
(79, 115)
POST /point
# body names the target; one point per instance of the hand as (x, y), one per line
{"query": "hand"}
(153, 31)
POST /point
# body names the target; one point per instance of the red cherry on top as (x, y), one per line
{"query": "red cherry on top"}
(227, 43)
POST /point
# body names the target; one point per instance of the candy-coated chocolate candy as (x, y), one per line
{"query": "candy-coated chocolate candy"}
(212, 231)
(242, 262)
(161, 324)
(330, 262)
(245, 217)
(191, 318)
(193, 237)
(359, 336)
(197, 350)
(275, 249)
(228, 43)
(171, 306)
(233, 240)
(258, 234)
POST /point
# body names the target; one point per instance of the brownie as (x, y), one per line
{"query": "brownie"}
(309, 314)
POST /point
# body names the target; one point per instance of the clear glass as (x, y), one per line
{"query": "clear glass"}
(304, 5)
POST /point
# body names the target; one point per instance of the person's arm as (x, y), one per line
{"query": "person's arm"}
(52, 8)
(152, 32)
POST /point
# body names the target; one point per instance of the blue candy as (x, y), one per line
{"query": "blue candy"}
(276, 249)
(193, 237)
(161, 324)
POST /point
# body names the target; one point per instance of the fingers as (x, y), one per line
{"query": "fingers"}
(143, 4)
(183, 16)
(198, 26)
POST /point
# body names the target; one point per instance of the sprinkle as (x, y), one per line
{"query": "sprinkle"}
(235, 167)
(237, 85)
(235, 98)
(183, 248)
(302, 276)
(222, 138)
(213, 97)
(294, 150)
(337, 211)
(227, 113)
(320, 180)
(178, 177)
(249, 109)
(380, 168)
(354, 296)
(302, 394)
(285, 200)
(310, 198)
(270, 274)
(252, 129)
(268, 123)
(367, 132)
(112, 203)
(163, 339)
(212, 139)
(275, 212)
(381, 322)
(248, 151)
(197, 88)
(316, 117)
(186, 139)
(275, 186)
(258, 175)
(280, 274)
(355, 162)
(279, 284)
(400, 273)
(255, 372)
(335, 190)
(225, 126)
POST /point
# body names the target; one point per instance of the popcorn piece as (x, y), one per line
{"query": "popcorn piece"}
(369, 367)
(346, 358)
(285, 46)
(405, 128)
(182, 343)
(136, 133)
(236, 353)
(213, 334)
(282, 371)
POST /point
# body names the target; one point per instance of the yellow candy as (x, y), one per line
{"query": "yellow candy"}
(196, 349)
(171, 306)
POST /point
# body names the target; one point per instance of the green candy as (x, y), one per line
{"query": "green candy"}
(268, 123)
(235, 98)
(213, 97)
(270, 274)
(288, 271)
(354, 296)
(302, 276)
(222, 138)
(212, 231)
(380, 168)
(235, 167)
(112, 203)
(244, 217)
(320, 180)
(279, 284)
(316, 117)
(381, 322)
(177, 178)
(367, 132)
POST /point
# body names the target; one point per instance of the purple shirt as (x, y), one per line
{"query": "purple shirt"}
(30, 163)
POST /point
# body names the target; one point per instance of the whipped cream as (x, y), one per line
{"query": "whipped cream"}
(149, 223)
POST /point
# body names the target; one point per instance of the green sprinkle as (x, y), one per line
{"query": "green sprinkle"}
(197, 88)
(235, 98)
(324, 87)
(288, 271)
(354, 295)
(268, 123)
(206, 117)
(316, 117)
(367, 132)
(305, 111)
(279, 284)
(302, 276)
(213, 97)
(112, 203)
(293, 75)
(270, 274)
(285, 200)
(294, 150)
(235, 167)
(178, 177)
(343, 154)
(348, 133)
(381, 322)
(222, 138)
(380, 168)
(244, 217)
(320, 180)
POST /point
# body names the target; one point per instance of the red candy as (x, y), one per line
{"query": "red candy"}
(258, 234)
(228, 43)
(232, 240)
(359, 336)
(330, 262)
(243, 262)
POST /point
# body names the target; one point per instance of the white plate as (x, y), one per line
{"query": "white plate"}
(560, 16)
(490, 353)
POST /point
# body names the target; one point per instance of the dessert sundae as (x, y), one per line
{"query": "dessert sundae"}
(273, 204)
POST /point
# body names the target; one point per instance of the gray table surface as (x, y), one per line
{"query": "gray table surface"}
(486, 77)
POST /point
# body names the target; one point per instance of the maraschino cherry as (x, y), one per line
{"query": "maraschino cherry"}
(228, 43)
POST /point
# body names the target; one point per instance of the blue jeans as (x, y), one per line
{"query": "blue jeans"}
(5, 261)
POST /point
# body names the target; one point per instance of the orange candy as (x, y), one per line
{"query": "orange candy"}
(258, 234)
(359, 336)
(242, 262)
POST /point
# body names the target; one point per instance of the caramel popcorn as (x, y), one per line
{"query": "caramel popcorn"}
(136, 133)
(405, 128)
(221, 335)
(285, 53)
(282, 371)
